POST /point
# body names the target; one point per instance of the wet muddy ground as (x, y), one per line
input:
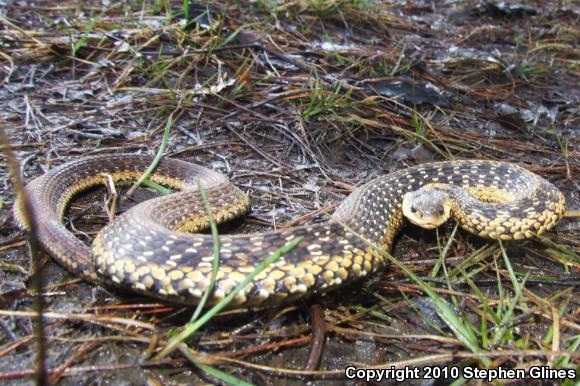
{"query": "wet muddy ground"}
(297, 102)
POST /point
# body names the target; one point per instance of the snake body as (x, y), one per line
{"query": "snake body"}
(148, 250)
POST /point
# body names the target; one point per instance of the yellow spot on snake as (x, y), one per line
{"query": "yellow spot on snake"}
(148, 281)
(289, 282)
(130, 267)
(309, 279)
(297, 272)
(268, 284)
(328, 276)
(158, 273)
(195, 276)
(237, 276)
(227, 285)
(175, 275)
(333, 266)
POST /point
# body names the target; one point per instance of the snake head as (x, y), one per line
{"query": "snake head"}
(427, 207)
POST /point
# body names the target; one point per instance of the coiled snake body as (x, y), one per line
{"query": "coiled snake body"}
(146, 248)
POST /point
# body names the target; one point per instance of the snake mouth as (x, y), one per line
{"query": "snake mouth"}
(426, 224)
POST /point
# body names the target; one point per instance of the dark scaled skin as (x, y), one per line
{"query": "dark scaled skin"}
(147, 250)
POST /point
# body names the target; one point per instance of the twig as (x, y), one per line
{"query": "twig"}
(318, 338)
(111, 209)
(256, 148)
(10, 71)
(34, 247)
(98, 319)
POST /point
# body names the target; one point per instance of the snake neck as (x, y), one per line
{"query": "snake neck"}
(373, 211)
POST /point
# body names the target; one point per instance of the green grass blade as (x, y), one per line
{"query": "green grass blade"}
(479, 255)
(443, 253)
(505, 325)
(216, 252)
(158, 188)
(458, 382)
(573, 347)
(157, 158)
(225, 377)
(81, 42)
(186, 9)
(508, 265)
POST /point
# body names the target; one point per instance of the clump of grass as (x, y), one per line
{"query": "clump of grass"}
(323, 102)
(499, 320)
(321, 8)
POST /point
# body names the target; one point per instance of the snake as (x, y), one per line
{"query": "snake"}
(156, 247)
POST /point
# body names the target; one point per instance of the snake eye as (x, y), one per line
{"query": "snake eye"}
(441, 212)
(413, 209)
